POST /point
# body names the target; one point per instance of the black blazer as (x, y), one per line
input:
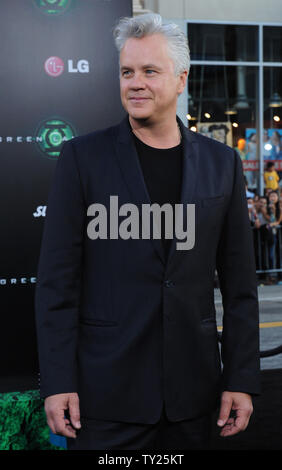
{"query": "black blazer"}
(118, 324)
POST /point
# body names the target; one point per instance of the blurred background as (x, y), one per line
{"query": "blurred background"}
(234, 91)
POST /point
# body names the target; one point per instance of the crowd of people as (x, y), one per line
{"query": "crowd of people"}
(265, 213)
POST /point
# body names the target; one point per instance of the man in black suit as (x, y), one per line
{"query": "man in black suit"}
(126, 325)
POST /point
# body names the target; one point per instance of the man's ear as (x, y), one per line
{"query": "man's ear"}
(182, 81)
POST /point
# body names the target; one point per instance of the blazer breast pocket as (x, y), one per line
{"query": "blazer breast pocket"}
(212, 201)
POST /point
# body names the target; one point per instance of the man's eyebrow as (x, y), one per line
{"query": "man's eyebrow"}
(151, 66)
(124, 67)
(146, 66)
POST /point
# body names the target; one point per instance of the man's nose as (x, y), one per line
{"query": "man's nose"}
(137, 81)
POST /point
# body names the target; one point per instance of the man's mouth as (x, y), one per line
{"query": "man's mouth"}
(138, 98)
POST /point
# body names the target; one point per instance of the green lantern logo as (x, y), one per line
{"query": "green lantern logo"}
(51, 136)
(53, 7)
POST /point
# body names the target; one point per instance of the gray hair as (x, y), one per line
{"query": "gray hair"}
(151, 23)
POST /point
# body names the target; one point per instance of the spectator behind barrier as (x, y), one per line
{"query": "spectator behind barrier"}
(248, 193)
(271, 177)
(253, 213)
(269, 214)
(274, 220)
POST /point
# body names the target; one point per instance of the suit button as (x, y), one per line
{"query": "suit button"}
(169, 283)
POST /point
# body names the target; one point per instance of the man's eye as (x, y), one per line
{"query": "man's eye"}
(150, 71)
(125, 73)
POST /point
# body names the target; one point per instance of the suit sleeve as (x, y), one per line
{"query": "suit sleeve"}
(238, 284)
(59, 278)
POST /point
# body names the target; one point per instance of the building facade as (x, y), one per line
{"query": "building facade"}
(234, 91)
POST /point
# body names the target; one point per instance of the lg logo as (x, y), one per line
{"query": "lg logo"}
(54, 66)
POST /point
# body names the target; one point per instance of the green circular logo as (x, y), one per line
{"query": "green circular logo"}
(51, 135)
(53, 7)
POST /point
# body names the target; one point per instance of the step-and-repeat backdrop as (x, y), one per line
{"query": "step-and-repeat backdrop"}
(58, 80)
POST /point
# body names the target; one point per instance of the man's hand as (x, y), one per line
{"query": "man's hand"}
(55, 407)
(241, 404)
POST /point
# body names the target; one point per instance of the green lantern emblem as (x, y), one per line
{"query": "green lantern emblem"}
(51, 136)
(53, 7)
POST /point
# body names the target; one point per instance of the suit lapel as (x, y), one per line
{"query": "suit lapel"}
(189, 177)
(132, 173)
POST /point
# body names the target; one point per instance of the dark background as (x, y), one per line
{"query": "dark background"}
(28, 97)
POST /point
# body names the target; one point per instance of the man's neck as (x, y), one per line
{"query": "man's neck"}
(159, 135)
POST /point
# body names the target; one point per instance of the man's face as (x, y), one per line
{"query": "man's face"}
(148, 85)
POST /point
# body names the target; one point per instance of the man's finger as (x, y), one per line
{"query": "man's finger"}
(74, 412)
(243, 418)
(232, 429)
(62, 428)
(239, 424)
(58, 429)
(51, 426)
(58, 424)
(224, 413)
(67, 431)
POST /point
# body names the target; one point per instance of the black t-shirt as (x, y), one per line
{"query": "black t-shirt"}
(162, 171)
